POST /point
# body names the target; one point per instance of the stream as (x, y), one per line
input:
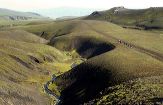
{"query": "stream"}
(50, 93)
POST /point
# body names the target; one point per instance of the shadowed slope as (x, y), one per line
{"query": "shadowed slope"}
(85, 81)
(86, 47)
(121, 64)
(109, 62)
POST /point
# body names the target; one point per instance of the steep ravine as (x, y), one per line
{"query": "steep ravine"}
(79, 87)
(50, 92)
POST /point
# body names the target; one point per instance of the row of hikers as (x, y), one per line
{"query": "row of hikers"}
(126, 44)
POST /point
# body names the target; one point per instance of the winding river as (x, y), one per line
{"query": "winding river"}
(50, 93)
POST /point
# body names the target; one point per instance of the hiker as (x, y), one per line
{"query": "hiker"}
(42, 33)
(119, 41)
(128, 45)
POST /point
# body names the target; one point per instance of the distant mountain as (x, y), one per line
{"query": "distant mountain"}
(150, 18)
(65, 11)
(66, 17)
(7, 14)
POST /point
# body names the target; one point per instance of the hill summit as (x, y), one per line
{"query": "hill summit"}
(150, 18)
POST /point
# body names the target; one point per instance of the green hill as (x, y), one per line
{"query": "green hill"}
(150, 18)
(26, 64)
(20, 35)
(113, 66)
(121, 63)
(110, 64)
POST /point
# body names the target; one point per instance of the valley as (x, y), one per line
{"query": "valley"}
(92, 60)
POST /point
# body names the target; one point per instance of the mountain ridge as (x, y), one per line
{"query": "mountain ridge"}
(7, 14)
(149, 18)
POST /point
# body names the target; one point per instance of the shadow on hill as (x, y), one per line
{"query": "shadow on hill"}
(85, 82)
(85, 46)
(145, 27)
(88, 49)
(21, 62)
(157, 101)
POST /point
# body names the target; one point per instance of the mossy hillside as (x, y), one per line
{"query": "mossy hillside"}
(153, 40)
(105, 70)
(25, 68)
(110, 67)
(9, 23)
(115, 63)
(85, 46)
(20, 35)
(150, 17)
(139, 91)
(53, 28)
(145, 39)
(132, 64)
(56, 28)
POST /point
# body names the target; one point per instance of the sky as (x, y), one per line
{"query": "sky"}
(88, 5)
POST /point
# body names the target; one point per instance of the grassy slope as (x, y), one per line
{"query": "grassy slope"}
(145, 39)
(115, 66)
(153, 41)
(139, 91)
(123, 63)
(73, 28)
(50, 28)
(20, 35)
(151, 17)
(10, 23)
(25, 65)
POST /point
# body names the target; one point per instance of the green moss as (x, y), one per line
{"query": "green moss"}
(54, 89)
(133, 92)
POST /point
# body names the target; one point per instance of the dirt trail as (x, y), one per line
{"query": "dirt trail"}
(151, 53)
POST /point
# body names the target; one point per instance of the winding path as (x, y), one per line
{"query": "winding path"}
(151, 53)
